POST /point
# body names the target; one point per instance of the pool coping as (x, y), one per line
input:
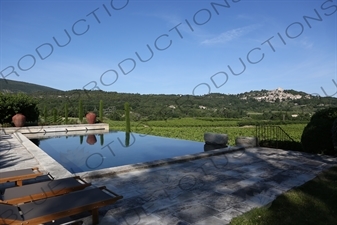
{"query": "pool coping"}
(45, 162)
(51, 166)
(57, 130)
(48, 164)
(111, 171)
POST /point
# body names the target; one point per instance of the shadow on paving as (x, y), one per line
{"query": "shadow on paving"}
(211, 190)
(7, 158)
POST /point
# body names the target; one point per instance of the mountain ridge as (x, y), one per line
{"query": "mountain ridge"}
(12, 86)
(278, 94)
(263, 104)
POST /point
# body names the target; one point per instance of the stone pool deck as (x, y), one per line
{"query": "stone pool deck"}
(210, 190)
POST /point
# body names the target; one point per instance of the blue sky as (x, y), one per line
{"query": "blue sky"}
(183, 47)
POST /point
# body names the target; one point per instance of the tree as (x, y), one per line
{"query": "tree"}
(101, 110)
(54, 115)
(316, 136)
(80, 111)
(127, 117)
(66, 113)
(45, 114)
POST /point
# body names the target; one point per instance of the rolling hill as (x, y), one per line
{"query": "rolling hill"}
(260, 104)
(11, 86)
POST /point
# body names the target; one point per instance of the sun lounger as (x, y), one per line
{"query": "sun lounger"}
(41, 190)
(71, 220)
(18, 176)
(54, 208)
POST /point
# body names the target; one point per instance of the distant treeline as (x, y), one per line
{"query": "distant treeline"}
(161, 107)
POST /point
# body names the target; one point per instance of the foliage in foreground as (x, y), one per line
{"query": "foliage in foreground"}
(312, 203)
(317, 135)
(10, 104)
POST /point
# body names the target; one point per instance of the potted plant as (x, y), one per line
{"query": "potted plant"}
(19, 120)
(91, 117)
(91, 139)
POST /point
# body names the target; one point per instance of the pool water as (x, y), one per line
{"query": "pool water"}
(92, 152)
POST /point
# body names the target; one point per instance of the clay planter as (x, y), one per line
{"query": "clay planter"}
(19, 120)
(91, 139)
(91, 117)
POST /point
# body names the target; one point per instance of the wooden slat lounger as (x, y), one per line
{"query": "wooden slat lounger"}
(54, 208)
(18, 176)
(41, 190)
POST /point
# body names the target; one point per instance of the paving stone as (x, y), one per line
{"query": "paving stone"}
(155, 205)
(229, 214)
(195, 213)
(128, 216)
(190, 197)
(260, 200)
(245, 192)
(167, 218)
(205, 191)
(292, 183)
(224, 189)
(221, 202)
(211, 220)
(278, 178)
(249, 182)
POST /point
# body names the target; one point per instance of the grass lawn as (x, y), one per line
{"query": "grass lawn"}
(314, 203)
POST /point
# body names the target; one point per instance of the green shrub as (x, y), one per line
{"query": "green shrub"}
(10, 104)
(316, 136)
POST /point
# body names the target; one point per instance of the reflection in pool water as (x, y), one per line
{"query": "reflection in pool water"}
(114, 149)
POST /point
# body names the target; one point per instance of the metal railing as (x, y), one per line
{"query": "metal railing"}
(272, 134)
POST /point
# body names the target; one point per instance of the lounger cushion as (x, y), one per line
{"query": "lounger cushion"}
(75, 201)
(19, 175)
(42, 190)
(10, 213)
(56, 208)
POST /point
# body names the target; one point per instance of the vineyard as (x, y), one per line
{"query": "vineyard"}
(189, 128)
(194, 129)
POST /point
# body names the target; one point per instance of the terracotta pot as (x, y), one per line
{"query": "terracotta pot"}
(91, 139)
(91, 117)
(19, 120)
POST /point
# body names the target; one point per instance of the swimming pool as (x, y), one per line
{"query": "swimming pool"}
(116, 148)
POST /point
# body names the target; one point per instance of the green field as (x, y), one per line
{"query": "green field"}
(194, 128)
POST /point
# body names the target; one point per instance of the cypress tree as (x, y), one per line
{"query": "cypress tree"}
(80, 111)
(54, 115)
(127, 117)
(101, 137)
(66, 113)
(45, 114)
(101, 111)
